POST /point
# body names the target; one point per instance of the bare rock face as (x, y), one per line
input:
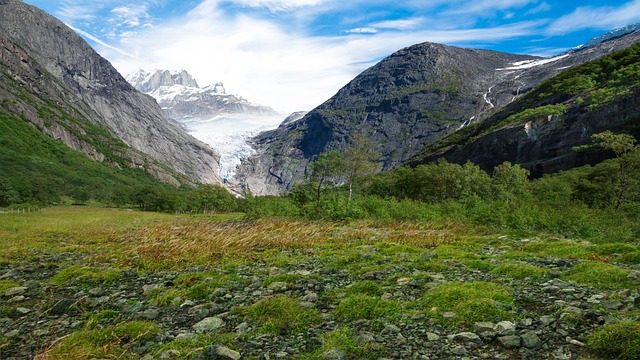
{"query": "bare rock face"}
(102, 94)
(407, 101)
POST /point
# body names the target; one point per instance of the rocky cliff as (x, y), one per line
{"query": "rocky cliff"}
(406, 102)
(542, 130)
(181, 99)
(97, 91)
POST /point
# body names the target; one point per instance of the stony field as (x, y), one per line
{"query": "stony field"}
(115, 284)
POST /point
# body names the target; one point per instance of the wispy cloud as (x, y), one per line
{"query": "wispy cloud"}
(100, 42)
(602, 17)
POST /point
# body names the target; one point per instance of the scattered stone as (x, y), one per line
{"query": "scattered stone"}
(14, 291)
(150, 314)
(23, 311)
(612, 305)
(404, 281)
(224, 353)
(433, 337)
(169, 354)
(505, 328)
(208, 325)
(448, 315)
(531, 341)
(334, 354)
(510, 342)
(467, 337)
(634, 276)
(547, 320)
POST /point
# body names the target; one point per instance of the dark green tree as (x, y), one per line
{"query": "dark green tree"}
(359, 160)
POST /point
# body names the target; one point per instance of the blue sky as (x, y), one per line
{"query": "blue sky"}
(295, 54)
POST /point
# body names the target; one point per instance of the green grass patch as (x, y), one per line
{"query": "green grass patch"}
(345, 341)
(519, 271)
(366, 287)
(470, 301)
(598, 274)
(617, 341)
(281, 315)
(365, 307)
(108, 343)
(86, 274)
(7, 284)
(102, 318)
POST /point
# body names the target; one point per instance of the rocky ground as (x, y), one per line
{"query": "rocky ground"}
(205, 313)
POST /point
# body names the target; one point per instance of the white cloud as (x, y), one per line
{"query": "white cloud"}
(100, 42)
(266, 63)
(279, 5)
(132, 16)
(604, 17)
(402, 24)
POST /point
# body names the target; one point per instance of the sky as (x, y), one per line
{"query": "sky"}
(295, 54)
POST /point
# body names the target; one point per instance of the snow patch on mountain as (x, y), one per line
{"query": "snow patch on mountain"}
(527, 64)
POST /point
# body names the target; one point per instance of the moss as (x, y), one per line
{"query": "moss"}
(110, 342)
(86, 274)
(598, 274)
(617, 341)
(281, 315)
(365, 307)
(519, 271)
(471, 302)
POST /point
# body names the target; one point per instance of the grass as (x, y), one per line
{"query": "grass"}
(366, 307)
(470, 301)
(519, 271)
(599, 274)
(617, 341)
(86, 274)
(108, 343)
(212, 253)
(281, 315)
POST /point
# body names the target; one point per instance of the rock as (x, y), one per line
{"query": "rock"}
(208, 325)
(547, 320)
(433, 337)
(334, 354)
(448, 315)
(505, 328)
(14, 291)
(150, 314)
(531, 341)
(310, 297)
(391, 329)
(148, 288)
(634, 276)
(169, 354)
(224, 353)
(467, 337)
(23, 311)
(12, 334)
(404, 281)
(612, 305)
(510, 342)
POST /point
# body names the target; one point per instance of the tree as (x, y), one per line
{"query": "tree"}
(327, 167)
(628, 156)
(359, 160)
(510, 182)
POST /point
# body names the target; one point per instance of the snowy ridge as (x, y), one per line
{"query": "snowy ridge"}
(527, 64)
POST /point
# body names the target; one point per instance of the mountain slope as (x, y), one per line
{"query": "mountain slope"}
(542, 129)
(96, 90)
(406, 102)
(181, 99)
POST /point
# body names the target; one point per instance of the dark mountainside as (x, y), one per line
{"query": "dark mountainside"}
(542, 130)
(406, 102)
(58, 71)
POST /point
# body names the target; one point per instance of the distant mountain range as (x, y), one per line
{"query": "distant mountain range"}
(407, 102)
(422, 103)
(181, 99)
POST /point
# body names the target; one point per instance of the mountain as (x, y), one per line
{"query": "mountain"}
(181, 99)
(543, 130)
(406, 102)
(59, 69)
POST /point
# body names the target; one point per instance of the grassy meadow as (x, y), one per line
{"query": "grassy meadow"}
(366, 281)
